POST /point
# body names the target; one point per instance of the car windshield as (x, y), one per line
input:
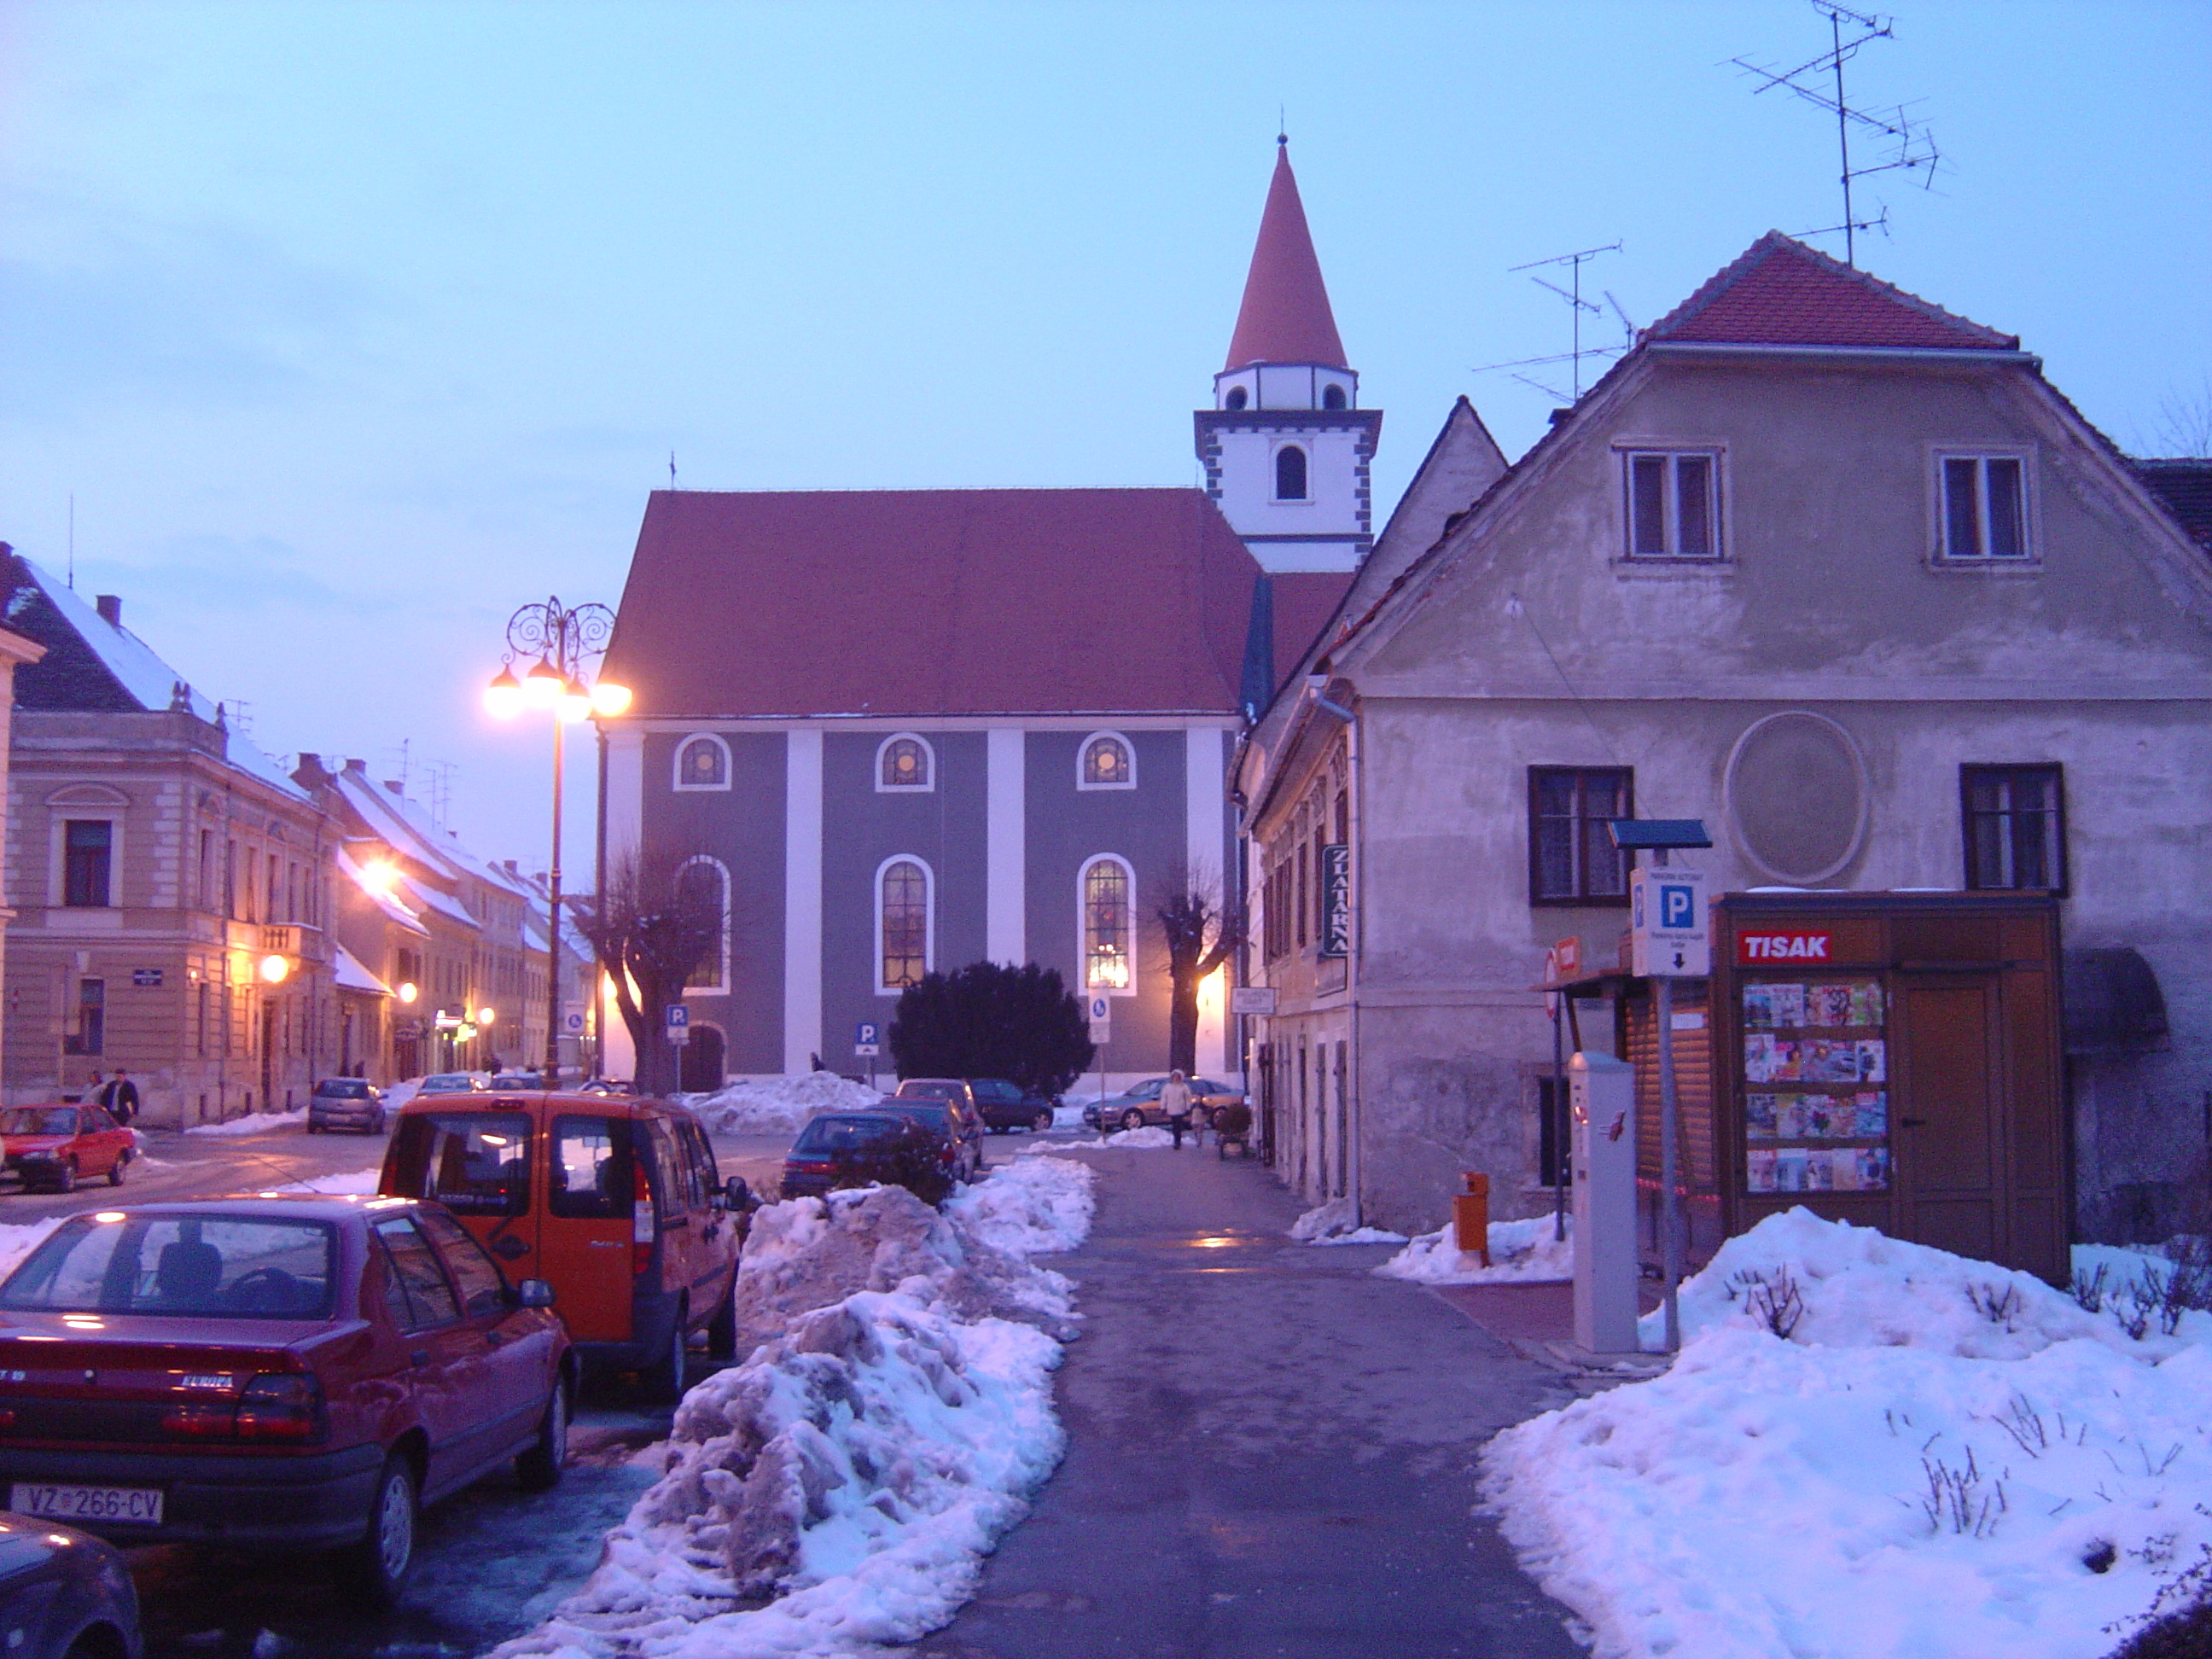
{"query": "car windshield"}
(472, 1163)
(845, 1135)
(218, 1267)
(448, 1083)
(38, 1120)
(934, 1113)
(342, 1088)
(992, 1088)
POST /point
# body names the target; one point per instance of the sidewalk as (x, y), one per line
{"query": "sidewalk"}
(1272, 1452)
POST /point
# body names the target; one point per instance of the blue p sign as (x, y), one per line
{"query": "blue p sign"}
(1677, 908)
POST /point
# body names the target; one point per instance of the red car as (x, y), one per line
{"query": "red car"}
(55, 1145)
(282, 1370)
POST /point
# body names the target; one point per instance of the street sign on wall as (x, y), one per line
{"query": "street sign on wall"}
(1252, 999)
(1667, 936)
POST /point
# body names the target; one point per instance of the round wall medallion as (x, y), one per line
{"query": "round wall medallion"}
(1796, 793)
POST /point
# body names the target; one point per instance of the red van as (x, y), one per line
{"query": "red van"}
(612, 1200)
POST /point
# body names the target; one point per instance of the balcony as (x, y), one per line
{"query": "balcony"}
(297, 940)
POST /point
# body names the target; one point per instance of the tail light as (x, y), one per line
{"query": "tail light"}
(282, 1406)
(641, 1230)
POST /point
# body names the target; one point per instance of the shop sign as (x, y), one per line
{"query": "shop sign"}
(1335, 900)
(1797, 946)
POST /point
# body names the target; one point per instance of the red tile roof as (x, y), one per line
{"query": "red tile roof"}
(1286, 317)
(1784, 293)
(921, 603)
(1305, 601)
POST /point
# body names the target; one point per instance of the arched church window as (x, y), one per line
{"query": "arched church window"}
(1290, 473)
(702, 762)
(703, 887)
(901, 923)
(1108, 925)
(904, 761)
(1236, 397)
(1106, 763)
(1332, 397)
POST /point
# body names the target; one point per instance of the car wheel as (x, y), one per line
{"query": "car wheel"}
(115, 1170)
(1133, 1119)
(666, 1379)
(313, 1127)
(65, 1177)
(722, 1329)
(539, 1469)
(374, 1568)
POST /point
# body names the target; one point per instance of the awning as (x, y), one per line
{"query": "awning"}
(2113, 1004)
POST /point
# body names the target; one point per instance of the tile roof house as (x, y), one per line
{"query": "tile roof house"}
(904, 730)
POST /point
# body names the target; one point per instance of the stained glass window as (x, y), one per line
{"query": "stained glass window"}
(1106, 762)
(905, 763)
(905, 923)
(703, 763)
(1108, 932)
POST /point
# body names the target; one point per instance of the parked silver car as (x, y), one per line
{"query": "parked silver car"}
(346, 1103)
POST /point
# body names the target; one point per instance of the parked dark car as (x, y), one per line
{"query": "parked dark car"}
(1140, 1104)
(1003, 1107)
(346, 1103)
(290, 1371)
(955, 1152)
(856, 1149)
(65, 1594)
(957, 1097)
(53, 1146)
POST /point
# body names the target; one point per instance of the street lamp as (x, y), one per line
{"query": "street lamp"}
(565, 641)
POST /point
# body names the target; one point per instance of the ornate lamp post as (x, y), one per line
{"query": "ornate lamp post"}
(564, 641)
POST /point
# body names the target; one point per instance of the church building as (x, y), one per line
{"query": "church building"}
(902, 731)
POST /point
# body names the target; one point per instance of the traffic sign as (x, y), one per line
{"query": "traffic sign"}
(1667, 923)
(867, 1038)
(679, 1022)
(1252, 999)
(1102, 1010)
(572, 1023)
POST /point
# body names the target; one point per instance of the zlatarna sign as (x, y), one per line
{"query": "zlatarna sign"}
(1785, 947)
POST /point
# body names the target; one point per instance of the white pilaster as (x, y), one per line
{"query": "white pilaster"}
(1006, 844)
(625, 793)
(802, 899)
(1206, 859)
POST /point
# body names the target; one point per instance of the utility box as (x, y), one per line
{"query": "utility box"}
(1602, 1092)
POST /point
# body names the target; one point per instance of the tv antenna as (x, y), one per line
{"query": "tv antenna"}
(1577, 306)
(1907, 144)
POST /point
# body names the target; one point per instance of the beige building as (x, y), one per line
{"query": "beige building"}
(169, 883)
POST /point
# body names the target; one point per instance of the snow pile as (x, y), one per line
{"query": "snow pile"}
(1139, 1139)
(1336, 1223)
(252, 1124)
(400, 1093)
(19, 1239)
(858, 1467)
(1942, 1457)
(771, 1105)
(1520, 1253)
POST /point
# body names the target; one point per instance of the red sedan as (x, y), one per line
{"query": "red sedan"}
(55, 1145)
(279, 1370)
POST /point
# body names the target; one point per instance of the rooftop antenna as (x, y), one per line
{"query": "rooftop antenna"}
(72, 542)
(672, 468)
(1572, 294)
(241, 717)
(437, 784)
(1909, 146)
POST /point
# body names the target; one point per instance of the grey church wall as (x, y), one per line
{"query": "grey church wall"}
(742, 826)
(1068, 827)
(862, 827)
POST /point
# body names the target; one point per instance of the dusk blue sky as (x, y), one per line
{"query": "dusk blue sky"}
(350, 328)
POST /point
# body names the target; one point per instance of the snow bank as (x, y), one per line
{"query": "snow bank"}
(1336, 1223)
(19, 1239)
(252, 1124)
(859, 1465)
(770, 1105)
(1520, 1253)
(1942, 1457)
(400, 1093)
(1139, 1139)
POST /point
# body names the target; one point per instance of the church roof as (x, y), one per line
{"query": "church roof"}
(1286, 317)
(933, 603)
(1781, 292)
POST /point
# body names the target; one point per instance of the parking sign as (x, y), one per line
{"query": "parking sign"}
(867, 1038)
(679, 1022)
(1667, 923)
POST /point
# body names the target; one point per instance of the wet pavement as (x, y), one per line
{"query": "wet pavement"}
(1272, 1452)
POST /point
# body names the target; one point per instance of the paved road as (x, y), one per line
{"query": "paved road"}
(1270, 1451)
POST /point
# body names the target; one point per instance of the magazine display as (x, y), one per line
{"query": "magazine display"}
(1815, 1059)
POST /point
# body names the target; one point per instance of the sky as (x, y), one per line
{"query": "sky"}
(350, 328)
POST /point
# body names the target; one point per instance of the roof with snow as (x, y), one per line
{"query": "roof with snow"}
(404, 826)
(918, 603)
(380, 893)
(1286, 317)
(1783, 293)
(352, 976)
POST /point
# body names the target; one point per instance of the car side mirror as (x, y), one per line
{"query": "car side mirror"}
(737, 1195)
(534, 1293)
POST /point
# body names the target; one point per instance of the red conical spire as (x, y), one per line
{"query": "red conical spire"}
(1285, 318)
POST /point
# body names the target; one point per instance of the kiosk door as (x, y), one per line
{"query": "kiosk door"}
(1947, 1145)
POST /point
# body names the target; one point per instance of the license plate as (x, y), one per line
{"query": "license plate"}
(141, 1503)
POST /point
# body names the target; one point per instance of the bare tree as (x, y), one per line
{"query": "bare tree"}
(651, 929)
(2184, 427)
(1197, 931)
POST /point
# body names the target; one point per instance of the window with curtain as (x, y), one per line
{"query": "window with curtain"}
(1572, 857)
(1108, 926)
(905, 925)
(2015, 825)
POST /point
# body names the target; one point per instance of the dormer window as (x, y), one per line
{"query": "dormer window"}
(1236, 399)
(1332, 397)
(1290, 473)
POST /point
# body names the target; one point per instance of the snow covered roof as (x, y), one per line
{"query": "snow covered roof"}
(379, 893)
(429, 898)
(403, 825)
(352, 976)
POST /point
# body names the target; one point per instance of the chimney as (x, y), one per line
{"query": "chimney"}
(360, 766)
(110, 606)
(392, 784)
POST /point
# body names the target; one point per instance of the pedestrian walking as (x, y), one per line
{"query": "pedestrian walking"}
(1175, 1104)
(120, 1097)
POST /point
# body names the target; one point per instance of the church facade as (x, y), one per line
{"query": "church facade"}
(899, 732)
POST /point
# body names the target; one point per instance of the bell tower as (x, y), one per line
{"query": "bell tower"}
(1287, 447)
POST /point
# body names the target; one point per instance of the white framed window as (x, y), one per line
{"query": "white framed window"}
(904, 762)
(906, 922)
(1981, 508)
(1291, 473)
(1105, 760)
(702, 761)
(1106, 922)
(707, 880)
(1671, 503)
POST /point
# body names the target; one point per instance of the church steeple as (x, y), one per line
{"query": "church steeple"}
(1286, 446)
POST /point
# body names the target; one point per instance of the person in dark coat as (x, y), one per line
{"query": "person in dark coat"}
(120, 1097)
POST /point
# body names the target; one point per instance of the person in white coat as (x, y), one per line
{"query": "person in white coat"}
(1174, 1106)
